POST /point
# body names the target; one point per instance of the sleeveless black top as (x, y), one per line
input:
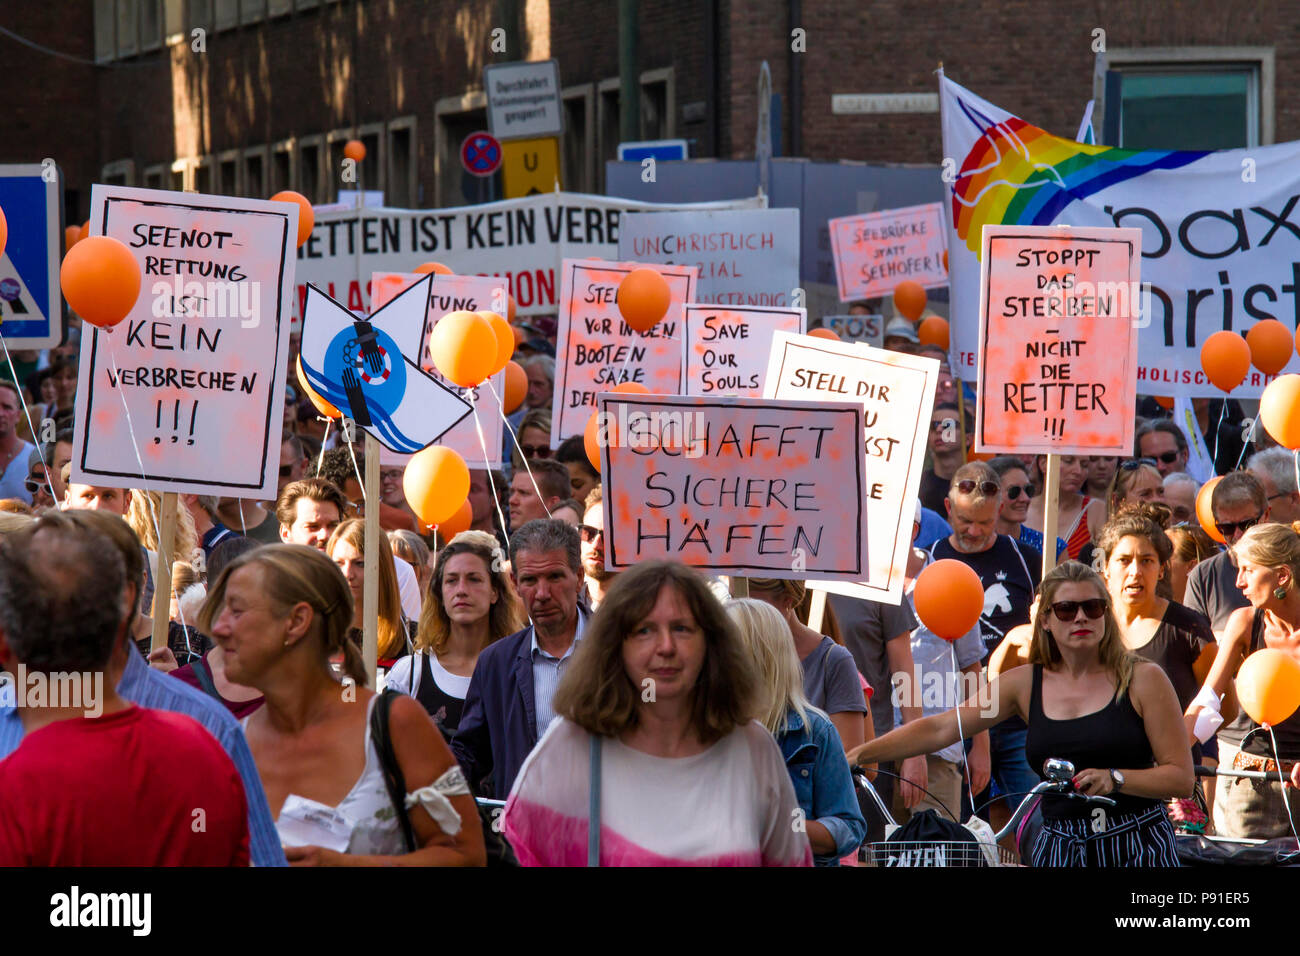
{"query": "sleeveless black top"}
(1287, 732)
(442, 707)
(1111, 737)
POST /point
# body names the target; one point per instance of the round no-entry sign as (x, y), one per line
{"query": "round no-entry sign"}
(480, 154)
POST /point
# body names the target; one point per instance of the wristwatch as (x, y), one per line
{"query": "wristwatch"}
(1116, 779)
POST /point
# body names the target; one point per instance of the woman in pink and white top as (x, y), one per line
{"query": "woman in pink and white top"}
(658, 702)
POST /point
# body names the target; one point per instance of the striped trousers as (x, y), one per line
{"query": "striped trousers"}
(1144, 839)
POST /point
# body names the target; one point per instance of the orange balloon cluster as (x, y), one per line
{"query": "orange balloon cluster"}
(1203, 512)
(101, 280)
(436, 484)
(1225, 359)
(1271, 345)
(354, 150)
(1268, 686)
(643, 298)
(435, 267)
(1279, 410)
(71, 235)
(306, 215)
(824, 333)
(933, 330)
(949, 598)
(322, 406)
(590, 436)
(457, 523)
(464, 347)
(909, 299)
(516, 387)
(505, 339)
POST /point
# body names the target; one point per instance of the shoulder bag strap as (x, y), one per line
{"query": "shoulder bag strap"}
(593, 807)
(200, 668)
(394, 780)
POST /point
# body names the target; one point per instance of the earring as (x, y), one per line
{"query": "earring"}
(1280, 593)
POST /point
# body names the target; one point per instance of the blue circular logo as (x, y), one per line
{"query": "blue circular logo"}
(382, 376)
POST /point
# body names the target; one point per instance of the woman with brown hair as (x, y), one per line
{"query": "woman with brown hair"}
(1191, 547)
(280, 614)
(655, 759)
(1137, 482)
(1078, 517)
(471, 602)
(1087, 700)
(347, 548)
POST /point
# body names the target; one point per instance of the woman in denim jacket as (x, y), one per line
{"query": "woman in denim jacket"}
(814, 755)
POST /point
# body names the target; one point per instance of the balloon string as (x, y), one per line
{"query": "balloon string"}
(58, 505)
(487, 463)
(1245, 445)
(320, 459)
(522, 456)
(1286, 801)
(1223, 415)
(356, 470)
(961, 736)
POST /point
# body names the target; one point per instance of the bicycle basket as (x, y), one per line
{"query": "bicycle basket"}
(929, 840)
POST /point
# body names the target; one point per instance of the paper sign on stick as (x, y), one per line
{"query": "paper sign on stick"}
(727, 347)
(1058, 340)
(896, 392)
(193, 380)
(596, 350)
(450, 293)
(734, 485)
(876, 251)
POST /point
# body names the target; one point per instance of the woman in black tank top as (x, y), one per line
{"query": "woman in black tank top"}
(1268, 567)
(1087, 700)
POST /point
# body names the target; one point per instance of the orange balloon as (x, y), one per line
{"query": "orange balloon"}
(1279, 410)
(635, 388)
(505, 340)
(909, 300)
(101, 280)
(434, 267)
(70, 237)
(1204, 514)
(313, 396)
(516, 388)
(464, 347)
(945, 260)
(436, 484)
(590, 442)
(1164, 401)
(510, 309)
(933, 330)
(824, 333)
(458, 522)
(354, 150)
(84, 231)
(643, 298)
(1268, 686)
(519, 335)
(949, 598)
(306, 215)
(1271, 345)
(1225, 359)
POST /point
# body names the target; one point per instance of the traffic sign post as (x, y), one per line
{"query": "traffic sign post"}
(531, 166)
(31, 303)
(480, 154)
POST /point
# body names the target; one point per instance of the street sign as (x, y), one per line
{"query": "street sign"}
(480, 154)
(31, 304)
(531, 166)
(660, 150)
(524, 100)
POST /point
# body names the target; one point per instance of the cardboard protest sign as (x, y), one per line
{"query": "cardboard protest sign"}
(866, 329)
(359, 368)
(896, 392)
(595, 349)
(729, 485)
(451, 293)
(727, 348)
(1058, 340)
(876, 251)
(745, 256)
(187, 393)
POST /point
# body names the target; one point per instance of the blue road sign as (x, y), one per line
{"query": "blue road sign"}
(31, 304)
(480, 154)
(660, 150)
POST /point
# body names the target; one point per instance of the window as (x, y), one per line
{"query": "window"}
(401, 185)
(250, 11)
(657, 120)
(279, 7)
(227, 14)
(607, 127)
(151, 27)
(282, 168)
(198, 14)
(229, 182)
(577, 163)
(255, 185)
(105, 24)
(120, 172)
(179, 171)
(156, 177)
(1188, 98)
(309, 169)
(127, 37)
(203, 175)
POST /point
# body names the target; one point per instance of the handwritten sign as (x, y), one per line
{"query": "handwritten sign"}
(896, 392)
(595, 349)
(745, 256)
(867, 329)
(727, 348)
(876, 251)
(187, 393)
(730, 485)
(1058, 340)
(452, 293)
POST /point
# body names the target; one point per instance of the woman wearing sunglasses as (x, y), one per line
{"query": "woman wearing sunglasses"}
(1016, 492)
(1137, 482)
(1087, 700)
(1078, 517)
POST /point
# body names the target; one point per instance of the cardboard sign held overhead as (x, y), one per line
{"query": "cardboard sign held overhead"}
(727, 348)
(595, 349)
(1058, 340)
(877, 251)
(187, 393)
(729, 485)
(896, 392)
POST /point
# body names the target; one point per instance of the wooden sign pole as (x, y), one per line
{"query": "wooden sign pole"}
(162, 578)
(817, 610)
(370, 585)
(1051, 494)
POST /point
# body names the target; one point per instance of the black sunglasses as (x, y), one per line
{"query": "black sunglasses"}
(286, 471)
(535, 451)
(1229, 528)
(589, 534)
(1013, 491)
(1067, 610)
(33, 485)
(987, 488)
